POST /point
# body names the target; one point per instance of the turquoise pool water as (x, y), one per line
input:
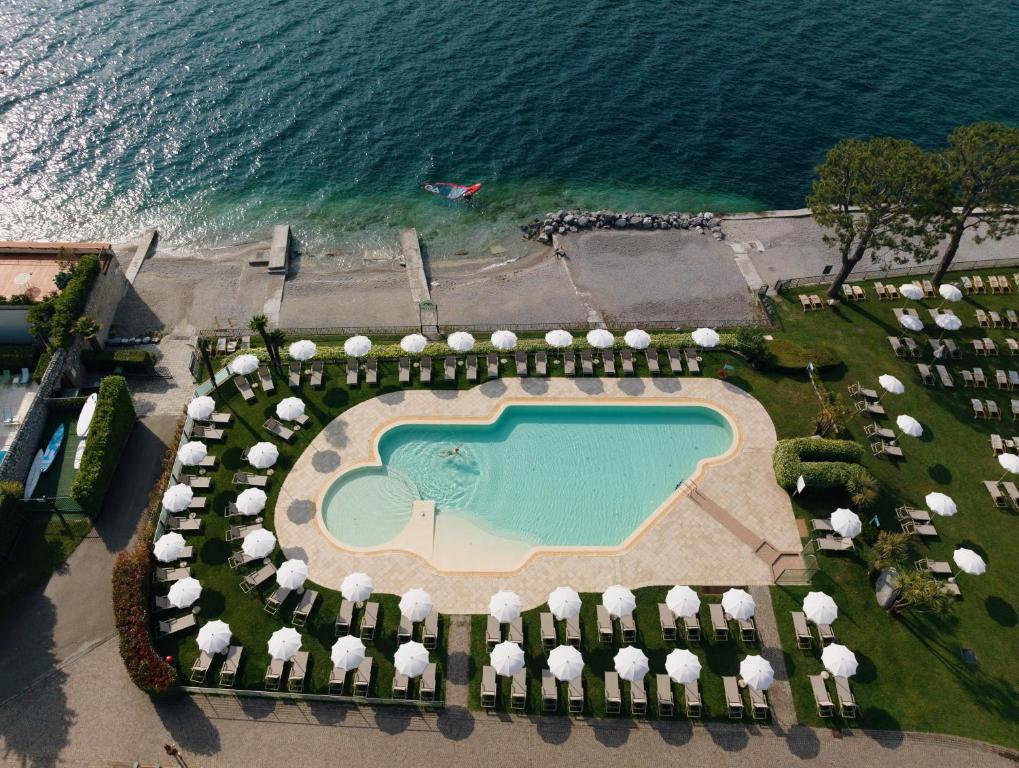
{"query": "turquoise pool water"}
(560, 475)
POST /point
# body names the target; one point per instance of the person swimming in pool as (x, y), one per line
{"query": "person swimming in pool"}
(454, 451)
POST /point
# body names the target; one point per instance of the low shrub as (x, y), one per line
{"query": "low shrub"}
(823, 463)
(123, 360)
(17, 356)
(749, 341)
(111, 425)
(41, 366)
(789, 356)
(69, 305)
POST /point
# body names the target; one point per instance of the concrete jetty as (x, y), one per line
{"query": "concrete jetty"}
(410, 248)
(279, 249)
(145, 243)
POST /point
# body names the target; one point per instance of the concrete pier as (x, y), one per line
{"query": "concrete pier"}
(279, 250)
(145, 244)
(410, 247)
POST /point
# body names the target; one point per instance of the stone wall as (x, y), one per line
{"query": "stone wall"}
(19, 456)
(108, 290)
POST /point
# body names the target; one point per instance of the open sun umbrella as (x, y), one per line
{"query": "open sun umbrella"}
(192, 454)
(263, 455)
(911, 291)
(185, 592)
(415, 604)
(564, 603)
(565, 662)
(244, 365)
(302, 350)
(357, 587)
(846, 522)
(177, 498)
(948, 322)
(559, 339)
(738, 603)
(504, 340)
(600, 338)
(413, 343)
(949, 292)
(290, 408)
(969, 561)
(505, 606)
(910, 322)
(168, 547)
(284, 644)
(250, 501)
(347, 653)
(757, 672)
(705, 337)
(460, 341)
(1010, 463)
(214, 637)
(891, 384)
(909, 425)
(618, 601)
(357, 346)
(682, 666)
(507, 659)
(637, 339)
(201, 408)
(292, 574)
(839, 660)
(940, 504)
(411, 659)
(259, 543)
(631, 663)
(820, 608)
(683, 601)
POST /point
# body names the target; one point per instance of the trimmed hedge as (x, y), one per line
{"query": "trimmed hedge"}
(70, 304)
(111, 425)
(823, 463)
(41, 366)
(127, 360)
(789, 356)
(17, 356)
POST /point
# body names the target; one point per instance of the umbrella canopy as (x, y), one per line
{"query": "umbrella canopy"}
(705, 337)
(618, 601)
(948, 322)
(413, 343)
(564, 603)
(244, 364)
(192, 453)
(738, 603)
(891, 384)
(292, 574)
(940, 504)
(177, 497)
(185, 592)
(910, 322)
(347, 652)
(357, 587)
(969, 561)
(415, 604)
(631, 663)
(820, 608)
(559, 339)
(600, 338)
(251, 501)
(909, 425)
(637, 339)
(302, 350)
(682, 666)
(505, 606)
(504, 340)
(846, 522)
(411, 659)
(839, 660)
(460, 341)
(290, 408)
(1009, 462)
(284, 643)
(911, 291)
(258, 543)
(201, 408)
(949, 292)
(357, 346)
(756, 672)
(683, 601)
(263, 455)
(565, 662)
(214, 637)
(168, 547)
(506, 659)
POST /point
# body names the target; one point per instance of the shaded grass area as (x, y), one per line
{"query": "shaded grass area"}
(44, 545)
(57, 481)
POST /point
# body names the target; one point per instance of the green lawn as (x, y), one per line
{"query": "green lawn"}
(44, 546)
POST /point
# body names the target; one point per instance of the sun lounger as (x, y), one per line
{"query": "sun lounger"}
(586, 362)
(353, 374)
(606, 634)
(250, 479)
(275, 428)
(804, 302)
(967, 378)
(369, 621)
(236, 532)
(613, 697)
(575, 696)
(405, 631)
(692, 361)
(651, 355)
(862, 391)
(934, 567)
(1012, 318)
(638, 698)
(265, 380)
(178, 624)
(521, 361)
(996, 321)
(400, 685)
(997, 445)
(573, 631)
(911, 346)
(337, 679)
(298, 671)
(822, 699)
(162, 603)
(548, 634)
(847, 702)
(449, 368)
(405, 370)
(570, 363)
(344, 617)
(304, 608)
(992, 410)
(294, 374)
(488, 687)
(668, 622)
(692, 700)
(978, 408)
(873, 430)
(430, 632)
(274, 674)
(317, 370)
(198, 504)
(897, 347)
(747, 630)
(816, 302)
(835, 544)
(692, 628)
(426, 691)
(516, 631)
(675, 361)
(626, 356)
(209, 462)
(493, 632)
(197, 482)
(923, 530)
(363, 676)
(825, 634)
(759, 709)
(472, 368)
(1012, 491)
(492, 362)
(995, 492)
(821, 525)
(426, 370)
(666, 702)
(518, 691)
(1015, 409)
(241, 382)
(912, 513)
(945, 376)
(803, 636)
(868, 406)
(231, 665)
(608, 359)
(882, 448)
(719, 626)
(198, 432)
(733, 700)
(254, 580)
(200, 668)
(541, 363)
(628, 628)
(549, 692)
(371, 371)
(183, 524)
(170, 575)
(925, 374)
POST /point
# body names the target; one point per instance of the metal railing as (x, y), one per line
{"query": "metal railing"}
(912, 270)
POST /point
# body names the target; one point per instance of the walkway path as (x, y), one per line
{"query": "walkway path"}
(458, 654)
(780, 694)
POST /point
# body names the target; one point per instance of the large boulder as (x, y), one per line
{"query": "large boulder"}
(621, 223)
(886, 588)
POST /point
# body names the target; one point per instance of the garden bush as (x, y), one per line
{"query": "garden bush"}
(789, 356)
(823, 463)
(111, 425)
(41, 366)
(69, 305)
(126, 360)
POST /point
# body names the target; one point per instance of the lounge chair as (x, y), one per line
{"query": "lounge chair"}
(651, 354)
(237, 532)
(241, 382)
(945, 376)
(294, 374)
(995, 492)
(759, 709)
(835, 544)
(369, 621)
(371, 371)
(430, 632)
(518, 691)
(879, 289)
(1015, 409)
(404, 631)
(934, 567)
(221, 419)
(303, 420)
(1001, 379)
(521, 361)
(549, 692)
(847, 702)
(626, 356)
(353, 375)
(298, 671)
(400, 685)
(897, 347)
(275, 428)
(869, 406)
(472, 368)
(804, 639)
(733, 700)
(317, 370)
(992, 410)
(405, 370)
(675, 361)
(426, 370)
(492, 363)
(825, 708)
(692, 628)
(925, 374)
(274, 674)
(692, 700)
(692, 361)
(541, 364)
(825, 634)
(573, 631)
(608, 360)
(923, 530)
(197, 482)
(344, 617)
(548, 633)
(198, 504)
(426, 690)
(570, 363)
(666, 702)
(911, 346)
(178, 624)
(996, 321)
(337, 679)
(198, 432)
(628, 628)
(997, 445)
(209, 462)
(183, 524)
(859, 389)
(170, 575)
(821, 525)
(613, 697)
(200, 668)
(493, 632)
(363, 676)
(882, 448)
(668, 622)
(304, 608)
(516, 631)
(804, 302)
(162, 603)
(250, 479)
(449, 368)
(575, 696)
(488, 687)
(815, 302)
(1013, 493)
(638, 698)
(586, 362)
(231, 665)
(747, 630)
(719, 626)
(254, 580)
(265, 380)
(873, 430)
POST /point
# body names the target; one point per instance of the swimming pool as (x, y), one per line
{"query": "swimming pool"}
(547, 475)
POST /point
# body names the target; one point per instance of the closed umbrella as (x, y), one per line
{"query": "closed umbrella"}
(911, 291)
(969, 561)
(251, 501)
(411, 659)
(263, 455)
(949, 292)
(948, 322)
(290, 408)
(413, 343)
(201, 408)
(618, 601)
(504, 340)
(460, 341)
(846, 522)
(600, 338)
(839, 660)
(564, 603)
(506, 659)
(738, 603)
(505, 606)
(214, 637)
(683, 601)
(244, 365)
(909, 426)
(357, 587)
(292, 574)
(1010, 463)
(415, 604)
(757, 672)
(302, 350)
(259, 543)
(347, 653)
(559, 339)
(193, 453)
(940, 504)
(820, 608)
(168, 547)
(357, 346)
(682, 666)
(705, 337)
(185, 592)
(910, 322)
(637, 339)
(177, 497)
(891, 384)
(284, 644)
(631, 663)
(565, 662)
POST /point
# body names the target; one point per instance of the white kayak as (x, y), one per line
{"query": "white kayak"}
(85, 417)
(78, 453)
(33, 475)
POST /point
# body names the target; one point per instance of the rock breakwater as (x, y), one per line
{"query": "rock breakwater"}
(565, 222)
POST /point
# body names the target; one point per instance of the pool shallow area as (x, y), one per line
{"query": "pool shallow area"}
(550, 475)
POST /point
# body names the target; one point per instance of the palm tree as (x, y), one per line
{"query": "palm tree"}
(87, 328)
(259, 323)
(205, 349)
(277, 337)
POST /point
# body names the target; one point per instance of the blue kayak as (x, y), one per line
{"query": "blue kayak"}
(52, 449)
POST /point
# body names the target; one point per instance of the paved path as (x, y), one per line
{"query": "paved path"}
(780, 694)
(458, 654)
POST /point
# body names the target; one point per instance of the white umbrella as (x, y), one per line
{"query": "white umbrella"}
(504, 340)
(839, 660)
(948, 322)
(949, 292)
(738, 603)
(820, 608)
(846, 522)
(637, 339)
(259, 543)
(290, 408)
(263, 455)
(565, 662)
(910, 322)
(357, 587)
(911, 291)
(505, 606)
(969, 561)
(909, 425)
(559, 339)
(682, 666)
(683, 601)
(891, 384)
(357, 346)
(185, 592)
(177, 498)
(214, 637)
(250, 501)
(292, 574)
(756, 672)
(302, 350)
(631, 663)
(411, 659)
(460, 341)
(507, 659)
(600, 338)
(244, 365)
(201, 408)
(192, 454)
(1010, 463)
(168, 547)
(347, 653)
(705, 337)
(564, 603)
(940, 504)
(413, 343)
(618, 601)
(415, 604)
(284, 644)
